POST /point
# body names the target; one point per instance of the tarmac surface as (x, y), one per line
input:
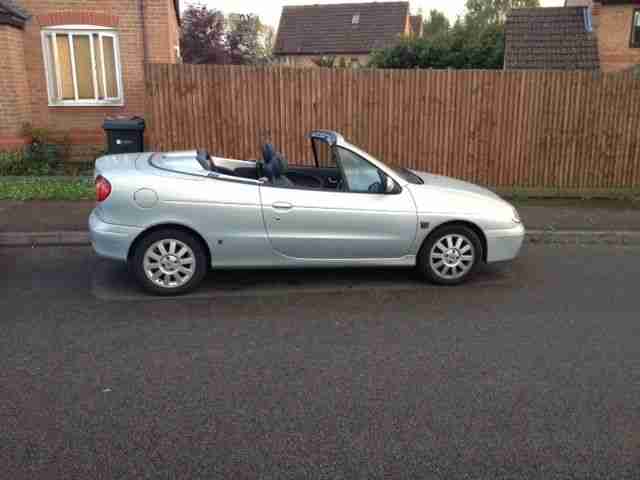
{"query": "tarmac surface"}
(531, 370)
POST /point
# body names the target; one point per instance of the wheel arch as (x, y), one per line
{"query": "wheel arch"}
(464, 223)
(175, 226)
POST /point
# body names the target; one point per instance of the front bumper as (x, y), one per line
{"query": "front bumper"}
(109, 240)
(504, 244)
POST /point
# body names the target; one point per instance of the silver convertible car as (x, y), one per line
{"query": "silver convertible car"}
(172, 216)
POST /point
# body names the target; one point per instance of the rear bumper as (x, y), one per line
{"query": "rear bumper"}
(109, 240)
(504, 244)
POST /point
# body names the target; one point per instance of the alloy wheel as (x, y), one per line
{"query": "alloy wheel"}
(169, 263)
(452, 256)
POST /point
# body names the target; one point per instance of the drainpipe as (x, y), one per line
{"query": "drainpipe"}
(145, 48)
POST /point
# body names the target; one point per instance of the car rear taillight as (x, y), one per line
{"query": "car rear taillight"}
(103, 188)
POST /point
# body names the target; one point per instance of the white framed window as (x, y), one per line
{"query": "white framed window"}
(82, 65)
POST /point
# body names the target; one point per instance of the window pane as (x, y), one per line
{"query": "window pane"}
(51, 67)
(84, 70)
(361, 176)
(64, 66)
(110, 66)
(98, 59)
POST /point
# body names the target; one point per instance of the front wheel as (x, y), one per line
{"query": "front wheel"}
(169, 262)
(450, 255)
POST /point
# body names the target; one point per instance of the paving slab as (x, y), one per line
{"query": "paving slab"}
(582, 215)
(44, 216)
(603, 215)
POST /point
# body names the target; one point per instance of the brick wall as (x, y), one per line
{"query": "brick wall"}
(162, 31)
(613, 24)
(84, 124)
(14, 96)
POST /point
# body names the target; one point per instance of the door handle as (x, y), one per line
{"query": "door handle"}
(282, 206)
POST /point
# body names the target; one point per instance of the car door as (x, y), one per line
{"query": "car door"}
(331, 224)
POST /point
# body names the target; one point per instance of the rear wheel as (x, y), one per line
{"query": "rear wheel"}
(450, 255)
(169, 262)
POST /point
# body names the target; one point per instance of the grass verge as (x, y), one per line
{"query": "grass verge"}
(46, 188)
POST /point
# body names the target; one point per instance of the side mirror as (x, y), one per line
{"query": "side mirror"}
(389, 185)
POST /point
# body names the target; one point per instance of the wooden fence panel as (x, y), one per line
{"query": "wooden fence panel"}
(558, 130)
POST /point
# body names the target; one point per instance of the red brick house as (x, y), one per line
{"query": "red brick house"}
(68, 64)
(347, 32)
(583, 35)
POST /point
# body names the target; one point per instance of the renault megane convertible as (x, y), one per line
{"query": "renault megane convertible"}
(173, 216)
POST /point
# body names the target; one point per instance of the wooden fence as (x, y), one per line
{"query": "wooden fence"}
(558, 130)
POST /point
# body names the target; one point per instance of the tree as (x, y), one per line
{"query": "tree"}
(474, 41)
(491, 12)
(203, 36)
(243, 38)
(208, 38)
(435, 24)
(267, 40)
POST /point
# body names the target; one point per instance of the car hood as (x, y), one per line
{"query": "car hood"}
(445, 195)
(459, 186)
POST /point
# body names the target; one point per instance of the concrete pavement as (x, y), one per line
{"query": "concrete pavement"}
(530, 371)
(561, 221)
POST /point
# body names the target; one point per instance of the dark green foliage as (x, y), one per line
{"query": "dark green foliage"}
(475, 41)
(436, 24)
(39, 160)
(40, 157)
(454, 50)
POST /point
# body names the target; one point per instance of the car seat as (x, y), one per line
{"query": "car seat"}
(274, 167)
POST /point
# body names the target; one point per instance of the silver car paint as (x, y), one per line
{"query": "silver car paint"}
(246, 223)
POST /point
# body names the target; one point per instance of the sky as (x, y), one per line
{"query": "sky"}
(269, 10)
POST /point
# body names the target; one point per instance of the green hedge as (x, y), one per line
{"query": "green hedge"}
(33, 160)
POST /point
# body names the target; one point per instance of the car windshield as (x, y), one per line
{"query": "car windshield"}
(409, 176)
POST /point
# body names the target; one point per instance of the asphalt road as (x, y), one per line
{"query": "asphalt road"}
(530, 371)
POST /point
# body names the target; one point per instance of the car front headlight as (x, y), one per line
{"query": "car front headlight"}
(516, 216)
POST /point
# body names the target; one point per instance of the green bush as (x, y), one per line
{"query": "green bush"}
(459, 48)
(30, 161)
(40, 157)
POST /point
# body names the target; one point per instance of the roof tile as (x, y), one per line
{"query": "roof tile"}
(550, 39)
(12, 7)
(330, 29)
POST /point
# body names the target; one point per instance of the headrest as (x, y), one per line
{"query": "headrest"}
(268, 152)
(275, 165)
(275, 168)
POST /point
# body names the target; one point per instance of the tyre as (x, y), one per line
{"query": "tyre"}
(169, 262)
(450, 255)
